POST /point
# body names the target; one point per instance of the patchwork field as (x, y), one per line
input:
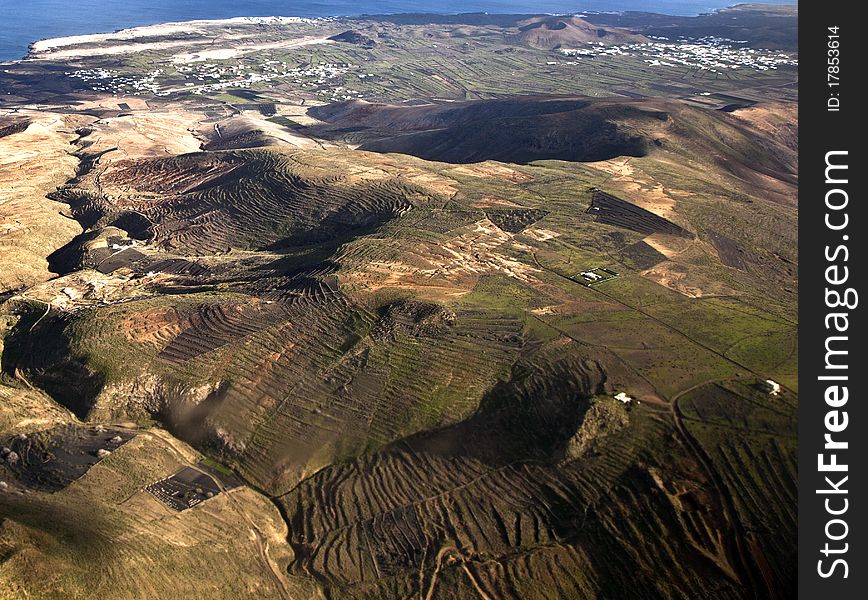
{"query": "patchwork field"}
(400, 307)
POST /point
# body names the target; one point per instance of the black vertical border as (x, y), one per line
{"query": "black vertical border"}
(821, 131)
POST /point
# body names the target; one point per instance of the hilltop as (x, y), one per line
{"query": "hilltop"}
(524, 129)
(557, 32)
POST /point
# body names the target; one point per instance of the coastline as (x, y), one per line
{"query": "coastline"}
(49, 45)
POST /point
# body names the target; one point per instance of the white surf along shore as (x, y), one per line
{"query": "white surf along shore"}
(126, 41)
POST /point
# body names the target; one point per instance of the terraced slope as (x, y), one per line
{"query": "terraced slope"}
(209, 203)
(399, 355)
(757, 467)
(106, 535)
(494, 503)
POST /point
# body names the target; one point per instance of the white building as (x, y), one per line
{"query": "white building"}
(623, 397)
(772, 387)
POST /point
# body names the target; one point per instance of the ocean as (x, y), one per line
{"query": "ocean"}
(25, 21)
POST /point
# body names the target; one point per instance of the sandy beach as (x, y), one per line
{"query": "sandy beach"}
(69, 46)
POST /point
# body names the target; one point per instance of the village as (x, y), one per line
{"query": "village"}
(710, 53)
(210, 77)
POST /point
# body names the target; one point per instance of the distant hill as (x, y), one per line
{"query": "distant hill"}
(518, 130)
(758, 25)
(551, 32)
(528, 128)
(354, 37)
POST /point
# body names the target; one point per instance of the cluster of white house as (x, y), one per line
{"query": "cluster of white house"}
(113, 82)
(708, 53)
(208, 77)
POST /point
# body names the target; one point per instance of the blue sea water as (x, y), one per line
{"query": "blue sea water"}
(24, 21)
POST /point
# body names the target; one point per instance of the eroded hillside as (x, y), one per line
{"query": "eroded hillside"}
(370, 350)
